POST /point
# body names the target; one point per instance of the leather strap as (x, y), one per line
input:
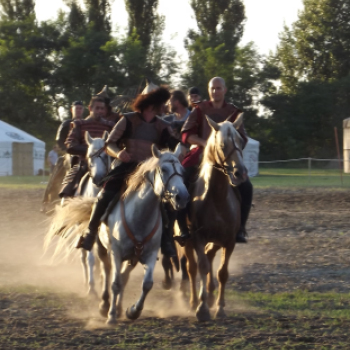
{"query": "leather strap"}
(138, 245)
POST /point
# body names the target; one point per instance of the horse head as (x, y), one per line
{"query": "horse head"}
(224, 149)
(98, 160)
(168, 178)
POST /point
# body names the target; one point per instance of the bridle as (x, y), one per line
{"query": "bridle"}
(97, 154)
(166, 195)
(226, 169)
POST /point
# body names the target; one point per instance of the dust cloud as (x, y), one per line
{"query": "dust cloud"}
(22, 263)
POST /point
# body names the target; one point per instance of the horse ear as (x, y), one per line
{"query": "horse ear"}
(238, 122)
(88, 138)
(180, 150)
(155, 151)
(105, 135)
(212, 124)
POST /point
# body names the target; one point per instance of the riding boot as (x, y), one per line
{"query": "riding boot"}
(246, 191)
(182, 222)
(87, 241)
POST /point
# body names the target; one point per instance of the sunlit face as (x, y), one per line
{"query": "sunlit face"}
(77, 111)
(98, 109)
(217, 90)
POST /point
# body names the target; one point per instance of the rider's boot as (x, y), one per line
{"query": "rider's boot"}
(246, 191)
(182, 222)
(168, 249)
(87, 241)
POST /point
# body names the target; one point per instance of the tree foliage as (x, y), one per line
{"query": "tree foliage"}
(318, 44)
(213, 48)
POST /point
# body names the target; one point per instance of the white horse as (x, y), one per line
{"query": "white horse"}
(134, 227)
(99, 163)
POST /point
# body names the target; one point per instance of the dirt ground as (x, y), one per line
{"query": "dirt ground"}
(299, 240)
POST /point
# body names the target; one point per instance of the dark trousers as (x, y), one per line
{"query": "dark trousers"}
(113, 184)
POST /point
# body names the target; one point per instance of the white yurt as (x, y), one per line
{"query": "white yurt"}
(21, 154)
(251, 157)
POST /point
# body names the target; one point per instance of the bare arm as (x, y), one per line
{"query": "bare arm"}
(196, 140)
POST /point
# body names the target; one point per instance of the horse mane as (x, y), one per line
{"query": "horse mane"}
(137, 178)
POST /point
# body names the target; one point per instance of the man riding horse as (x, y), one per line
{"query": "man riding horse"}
(196, 131)
(63, 163)
(76, 144)
(130, 142)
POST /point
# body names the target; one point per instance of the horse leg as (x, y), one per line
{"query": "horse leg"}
(106, 275)
(202, 312)
(117, 286)
(91, 265)
(125, 274)
(192, 272)
(135, 311)
(184, 277)
(210, 252)
(222, 278)
(83, 258)
(168, 270)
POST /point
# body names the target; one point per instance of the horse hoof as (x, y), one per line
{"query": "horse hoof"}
(166, 285)
(133, 313)
(104, 307)
(111, 321)
(220, 313)
(211, 300)
(203, 314)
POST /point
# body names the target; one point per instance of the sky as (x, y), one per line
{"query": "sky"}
(265, 19)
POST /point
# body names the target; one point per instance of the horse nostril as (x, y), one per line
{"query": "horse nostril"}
(177, 198)
(236, 174)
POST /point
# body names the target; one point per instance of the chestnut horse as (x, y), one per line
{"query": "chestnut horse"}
(215, 214)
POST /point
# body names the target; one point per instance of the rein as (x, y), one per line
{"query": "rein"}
(138, 245)
(97, 154)
(222, 167)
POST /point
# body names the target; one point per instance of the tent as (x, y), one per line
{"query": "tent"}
(251, 157)
(20, 153)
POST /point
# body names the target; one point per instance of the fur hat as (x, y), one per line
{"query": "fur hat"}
(155, 98)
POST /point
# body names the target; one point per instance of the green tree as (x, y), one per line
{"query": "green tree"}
(143, 20)
(213, 48)
(318, 44)
(25, 70)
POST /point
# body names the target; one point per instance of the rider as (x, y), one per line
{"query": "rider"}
(179, 107)
(194, 97)
(130, 141)
(196, 132)
(77, 110)
(76, 144)
(109, 114)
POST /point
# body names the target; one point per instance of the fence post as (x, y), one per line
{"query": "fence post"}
(309, 167)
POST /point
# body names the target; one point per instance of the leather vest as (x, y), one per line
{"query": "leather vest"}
(137, 135)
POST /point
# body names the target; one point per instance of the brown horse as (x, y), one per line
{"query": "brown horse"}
(215, 214)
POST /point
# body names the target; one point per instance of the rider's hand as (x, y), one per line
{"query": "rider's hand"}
(124, 156)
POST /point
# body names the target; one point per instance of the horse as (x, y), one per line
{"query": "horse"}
(98, 164)
(215, 214)
(133, 229)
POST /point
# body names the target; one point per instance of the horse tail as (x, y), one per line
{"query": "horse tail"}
(68, 221)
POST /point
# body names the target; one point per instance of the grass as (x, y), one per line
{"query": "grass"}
(299, 303)
(23, 182)
(269, 177)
